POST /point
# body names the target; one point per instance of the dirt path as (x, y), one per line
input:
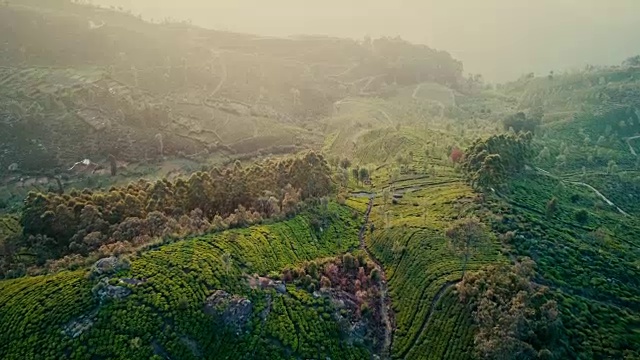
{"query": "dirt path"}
(598, 193)
(386, 312)
(347, 101)
(366, 86)
(223, 78)
(415, 92)
(353, 66)
(633, 151)
(414, 96)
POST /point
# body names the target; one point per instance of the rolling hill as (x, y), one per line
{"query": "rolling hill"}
(303, 198)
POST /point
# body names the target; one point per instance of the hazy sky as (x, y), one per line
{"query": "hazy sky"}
(501, 39)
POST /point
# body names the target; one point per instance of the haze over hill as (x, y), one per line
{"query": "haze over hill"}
(174, 192)
(500, 39)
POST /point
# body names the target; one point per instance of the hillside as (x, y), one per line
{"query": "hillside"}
(79, 72)
(162, 313)
(306, 198)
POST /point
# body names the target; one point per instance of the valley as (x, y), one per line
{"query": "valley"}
(173, 192)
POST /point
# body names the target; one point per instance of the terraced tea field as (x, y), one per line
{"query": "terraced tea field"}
(168, 287)
(421, 269)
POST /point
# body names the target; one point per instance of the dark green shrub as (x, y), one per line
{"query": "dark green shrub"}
(581, 216)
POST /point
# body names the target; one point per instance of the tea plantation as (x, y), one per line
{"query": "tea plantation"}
(163, 315)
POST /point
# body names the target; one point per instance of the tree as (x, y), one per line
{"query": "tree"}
(581, 216)
(355, 173)
(515, 317)
(633, 61)
(160, 142)
(345, 163)
(363, 174)
(465, 237)
(544, 154)
(491, 173)
(348, 261)
(375, 276)
(393, 177)
(520, 123)
(344, 177)
(226, 261)
(113, 165)
(385, 197)
(456, 155)
(489, 162)
(290, 199)
(334, 161)
(552, 206)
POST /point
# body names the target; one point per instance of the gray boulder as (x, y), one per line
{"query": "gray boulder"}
(109, 265)
(233, 310)
(103, 290)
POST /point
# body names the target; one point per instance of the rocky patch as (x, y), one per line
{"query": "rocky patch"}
(264, 283)
(108, 265)
(103, 291)
(79, 325)
(232, 310)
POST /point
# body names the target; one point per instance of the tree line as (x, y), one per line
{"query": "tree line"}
(516, 318)
(55, 225)
(489, 162)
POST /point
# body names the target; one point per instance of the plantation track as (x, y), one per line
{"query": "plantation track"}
(347, 101)
(432, 306)
(223, 79)
(539, 212)
(366, 86)
(386, 312)
(414, 96)
(598, 193)
(410, 188)
(631, 149)
(415, 92)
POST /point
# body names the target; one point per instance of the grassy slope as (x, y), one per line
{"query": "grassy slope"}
(422, 269)
(167, 309)
(592, 280)
(590, 266)
(223, 88)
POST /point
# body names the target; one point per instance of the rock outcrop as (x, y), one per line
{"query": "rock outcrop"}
(232, 310)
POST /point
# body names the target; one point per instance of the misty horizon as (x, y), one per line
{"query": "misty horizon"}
(499, 39)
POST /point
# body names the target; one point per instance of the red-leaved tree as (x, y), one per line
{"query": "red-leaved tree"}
(456, 155)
